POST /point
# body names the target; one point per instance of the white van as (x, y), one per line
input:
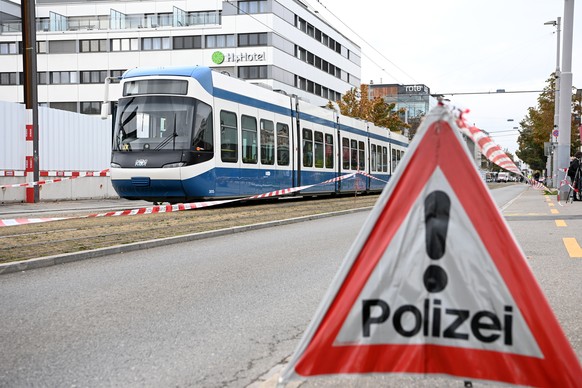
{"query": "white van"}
(503, 177)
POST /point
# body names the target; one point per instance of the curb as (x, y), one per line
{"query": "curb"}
(48, 261)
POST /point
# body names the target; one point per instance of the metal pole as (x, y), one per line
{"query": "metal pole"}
(565, 119)
(30, 81)
(553, 139)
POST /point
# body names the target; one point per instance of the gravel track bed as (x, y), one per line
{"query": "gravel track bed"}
(73, 235)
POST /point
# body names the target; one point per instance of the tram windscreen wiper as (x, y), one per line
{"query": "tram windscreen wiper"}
(121, 134)
(167, 139)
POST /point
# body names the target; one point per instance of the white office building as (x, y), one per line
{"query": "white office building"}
(281, 44)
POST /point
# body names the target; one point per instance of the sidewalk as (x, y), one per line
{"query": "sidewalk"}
(532, 203)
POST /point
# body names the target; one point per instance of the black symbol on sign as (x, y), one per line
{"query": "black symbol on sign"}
(437, 206)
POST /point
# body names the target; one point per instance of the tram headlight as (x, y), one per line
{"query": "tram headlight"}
(173, 165)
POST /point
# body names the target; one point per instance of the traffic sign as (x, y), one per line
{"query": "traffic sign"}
(436, 284)
(555, 132)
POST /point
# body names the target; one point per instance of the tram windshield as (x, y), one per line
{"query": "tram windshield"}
(156, 123)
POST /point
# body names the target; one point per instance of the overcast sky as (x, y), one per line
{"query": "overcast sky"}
(461, 46)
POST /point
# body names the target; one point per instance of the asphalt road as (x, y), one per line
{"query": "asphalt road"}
(220, 312)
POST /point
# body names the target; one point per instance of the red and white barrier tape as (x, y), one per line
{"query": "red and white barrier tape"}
(66, 176)
(371, 176)
(493, 152)
(171, 208)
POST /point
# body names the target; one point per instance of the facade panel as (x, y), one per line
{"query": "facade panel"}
(311, 56)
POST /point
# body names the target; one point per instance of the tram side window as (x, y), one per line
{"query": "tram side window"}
(384, 159)
(267, 142)
(319, 149)
(228, 137)
(328, 151)
(373, 157)
(345, 153)
(307, 147)
(394, 160)
(362, 156)
(202, 139)
(282, 144)
(379, 162)
(249, 139)
(354, 154)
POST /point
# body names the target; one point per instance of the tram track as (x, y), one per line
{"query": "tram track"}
(81, 234)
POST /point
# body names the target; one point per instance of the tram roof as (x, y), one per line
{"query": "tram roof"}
(200, 73)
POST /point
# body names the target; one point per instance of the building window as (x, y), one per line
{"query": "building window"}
(252, 72)
(68, 106)
(93, 76)
(254, 39)
(64, 77)
(8, 48)
(149, 44)
(41, 78)
(220, 41)
(41, 47)
(62, 47)
(203, 18)
(117, 74)
(254, 6)
(8, 79)
(187, 42)
(91, 107)
(165, 19)
(92, 46)
(125, 44)
(312, 87)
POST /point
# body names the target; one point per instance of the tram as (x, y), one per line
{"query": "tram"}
(190, 133)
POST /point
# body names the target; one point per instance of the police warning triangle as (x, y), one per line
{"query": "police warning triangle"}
(435, 283)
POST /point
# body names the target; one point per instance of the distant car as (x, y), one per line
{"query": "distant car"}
(503, 177)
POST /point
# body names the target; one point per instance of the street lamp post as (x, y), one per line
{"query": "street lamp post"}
(552, 165)
(565, 119)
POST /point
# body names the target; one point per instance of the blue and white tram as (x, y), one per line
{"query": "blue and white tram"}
(190, 133)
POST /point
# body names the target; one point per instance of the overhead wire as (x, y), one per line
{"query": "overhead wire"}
(372, 47)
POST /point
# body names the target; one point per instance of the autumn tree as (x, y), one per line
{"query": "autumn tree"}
(414, 123)
(537, 126)
(356, 103)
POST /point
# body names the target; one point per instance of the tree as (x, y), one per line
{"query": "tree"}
(356, 103)
(414, 123)
(537, 127)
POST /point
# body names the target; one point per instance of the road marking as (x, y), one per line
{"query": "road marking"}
(572, 246)
(551, 204)
(560, 223)
(554, 211)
